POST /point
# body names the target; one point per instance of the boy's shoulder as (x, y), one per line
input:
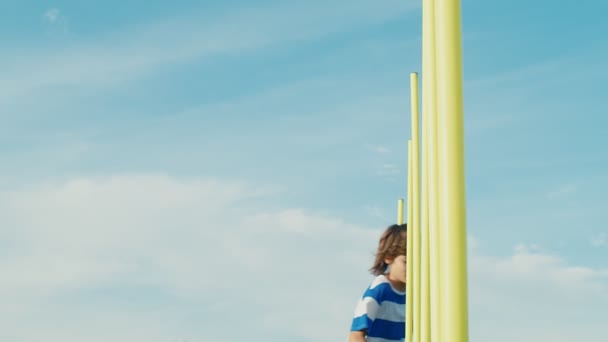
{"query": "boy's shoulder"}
(380, 289)
(379, 282)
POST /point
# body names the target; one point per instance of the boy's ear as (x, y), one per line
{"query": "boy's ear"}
(388, 260)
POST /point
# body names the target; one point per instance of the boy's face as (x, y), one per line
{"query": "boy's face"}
(398, 268)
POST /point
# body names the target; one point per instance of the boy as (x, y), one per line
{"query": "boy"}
(380, 313)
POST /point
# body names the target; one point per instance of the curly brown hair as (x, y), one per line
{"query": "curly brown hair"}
(392, 244)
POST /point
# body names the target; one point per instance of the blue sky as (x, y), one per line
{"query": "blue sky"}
(170, 172)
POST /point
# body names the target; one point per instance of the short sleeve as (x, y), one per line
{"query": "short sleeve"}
(367, 309)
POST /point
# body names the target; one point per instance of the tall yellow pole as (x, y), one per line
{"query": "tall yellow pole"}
(436, 247)
(416, 206)
(409, 307)
(429, 107)
(400, 211)
(424, 330)
(452, 171)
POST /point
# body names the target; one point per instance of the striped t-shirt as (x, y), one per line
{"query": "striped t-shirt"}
(381, 310)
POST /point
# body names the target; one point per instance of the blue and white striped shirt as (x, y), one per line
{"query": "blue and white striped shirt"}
(381, 310)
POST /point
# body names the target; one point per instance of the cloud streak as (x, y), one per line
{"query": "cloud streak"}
(127, 55)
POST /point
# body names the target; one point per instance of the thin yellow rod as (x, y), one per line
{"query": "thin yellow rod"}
(429, 96)
(416, 207)
(410, 251)
(400, 211)
(452, 171)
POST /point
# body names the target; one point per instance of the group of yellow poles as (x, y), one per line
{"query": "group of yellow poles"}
(436, 305)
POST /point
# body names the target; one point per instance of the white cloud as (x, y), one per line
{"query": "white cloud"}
(194, 241)
(539, 294)
(149, 257)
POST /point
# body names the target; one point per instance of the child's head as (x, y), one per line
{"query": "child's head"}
(392, 245)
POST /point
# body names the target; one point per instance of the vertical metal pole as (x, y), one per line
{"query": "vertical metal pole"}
(416, 227)
(429, 105)
(409, 297)
(452, 171)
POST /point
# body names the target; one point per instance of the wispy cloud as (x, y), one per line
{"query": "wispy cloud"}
(379, 149)
(56, 21)
(137, 51)
(516, 95)
(563, 190)
(600, 240)
(388, 170)
(52, 15)
(378, 212)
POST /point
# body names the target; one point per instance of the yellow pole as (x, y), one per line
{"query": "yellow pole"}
(424, 330)
(429, 96)
(436, 246)
(415, 207)
(410, 251)
(400, 211)
(451, 174)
